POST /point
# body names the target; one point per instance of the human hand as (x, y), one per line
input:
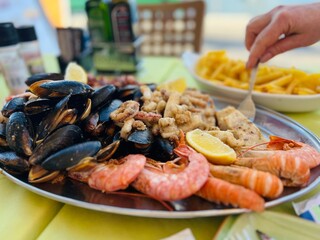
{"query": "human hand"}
(282, 29)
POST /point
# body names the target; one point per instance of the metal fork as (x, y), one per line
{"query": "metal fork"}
(247, 106)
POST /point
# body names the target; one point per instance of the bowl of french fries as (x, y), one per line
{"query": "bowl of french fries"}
(278, 88)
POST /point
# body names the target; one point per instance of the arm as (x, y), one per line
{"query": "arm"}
(282, 29)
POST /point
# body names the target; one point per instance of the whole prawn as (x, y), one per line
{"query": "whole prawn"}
(112, 175)
(172, 182)
(263, 183)
(221, 191)
(289, 160)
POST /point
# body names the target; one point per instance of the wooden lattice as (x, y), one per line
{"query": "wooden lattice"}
(171, 28)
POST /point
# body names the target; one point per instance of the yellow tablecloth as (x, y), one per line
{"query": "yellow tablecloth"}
(26, 215)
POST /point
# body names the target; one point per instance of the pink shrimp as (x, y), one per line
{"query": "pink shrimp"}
(116, 174)
(170, 184)
(109, 176)
(221, 191)
(287, 159)
(309, 154)
(263, 183)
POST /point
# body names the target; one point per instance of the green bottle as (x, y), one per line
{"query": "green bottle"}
(99, 22)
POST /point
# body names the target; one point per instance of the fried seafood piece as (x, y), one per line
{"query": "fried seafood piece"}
(227, 137)
(168, 128)
(126, 111)
(189, 111)
(153, 101)
(242, 128)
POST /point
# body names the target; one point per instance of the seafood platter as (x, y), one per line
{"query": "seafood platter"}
(136, 149)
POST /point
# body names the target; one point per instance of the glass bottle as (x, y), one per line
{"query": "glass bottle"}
(30, 49)
(12, 65)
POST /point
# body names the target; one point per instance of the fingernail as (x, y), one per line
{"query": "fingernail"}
(266, 57)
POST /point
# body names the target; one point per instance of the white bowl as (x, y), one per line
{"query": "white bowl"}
(278, 102)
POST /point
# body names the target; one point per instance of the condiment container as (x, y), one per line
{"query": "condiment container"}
(12, 65)
(30, 49)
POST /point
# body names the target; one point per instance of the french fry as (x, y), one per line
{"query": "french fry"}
(265, 78)
(217, 67)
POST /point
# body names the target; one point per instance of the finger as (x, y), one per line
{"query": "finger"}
(267, 37)
(255, 26)
(281, 46)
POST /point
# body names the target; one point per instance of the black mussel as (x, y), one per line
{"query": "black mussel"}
(14, 105)
(102, 96)
(152, 86)
(82, 103)
(61, 138)
(104, 113)
(61, 88)
(141, 136)
(12, 163)
(19, 133)
(38, 105)
(39, 91)
(68, 116)
(142, 140)
(162, 149)
(128, 92)
(124, 147)
(38, 174)
(52, 120)
(3, 140)
(44, 76)
(71, 156)
(107, 152)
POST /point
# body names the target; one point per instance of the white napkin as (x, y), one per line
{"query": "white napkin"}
(309, 209)
(185, 234)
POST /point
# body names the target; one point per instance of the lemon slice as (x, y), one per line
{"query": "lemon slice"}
(216, 151)
(178, 85)
(76, 73)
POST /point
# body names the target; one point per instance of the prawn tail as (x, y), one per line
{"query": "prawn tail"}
(221, 191)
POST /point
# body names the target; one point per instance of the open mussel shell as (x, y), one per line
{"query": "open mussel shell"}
(43, 76)
(39, 91)
(14, 105)
(38, 174)
(71, 156)
(13, 163)
(19, 134)
(59, 139)
(107, 152)
(51, 121)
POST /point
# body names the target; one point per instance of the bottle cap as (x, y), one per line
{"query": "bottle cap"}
(8, 33)
(27, 33)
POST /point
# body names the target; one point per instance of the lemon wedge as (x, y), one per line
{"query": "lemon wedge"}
(76, 73)
(178, 85)
(216, 151)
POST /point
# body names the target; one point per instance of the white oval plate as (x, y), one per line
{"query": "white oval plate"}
(278, 102)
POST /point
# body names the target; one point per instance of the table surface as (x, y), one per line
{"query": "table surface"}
(26, 215)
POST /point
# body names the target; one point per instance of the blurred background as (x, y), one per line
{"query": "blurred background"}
(224, 24)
